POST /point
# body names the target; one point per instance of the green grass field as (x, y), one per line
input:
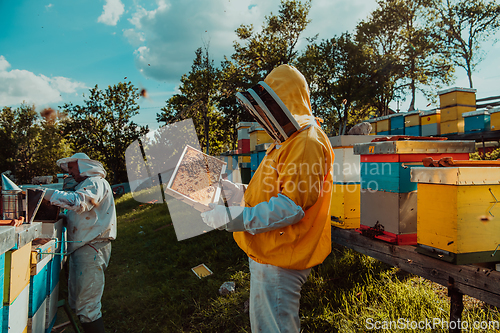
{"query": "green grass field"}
(150, 286)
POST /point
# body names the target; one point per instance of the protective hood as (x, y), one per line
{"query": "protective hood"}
(292, 88)
(86, 166)
(280, 103)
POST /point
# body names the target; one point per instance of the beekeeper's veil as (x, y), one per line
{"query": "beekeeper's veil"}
(86, 166)
(279, 117)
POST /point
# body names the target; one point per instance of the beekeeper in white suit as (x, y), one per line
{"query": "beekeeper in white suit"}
(91, 219)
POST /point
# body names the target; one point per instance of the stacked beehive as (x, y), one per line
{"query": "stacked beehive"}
(458, 213)
(388, 197)
(345, 204)
(476, 121)
(243, 137)
(454, 102)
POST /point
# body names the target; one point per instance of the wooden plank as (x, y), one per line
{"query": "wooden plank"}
(478, 282)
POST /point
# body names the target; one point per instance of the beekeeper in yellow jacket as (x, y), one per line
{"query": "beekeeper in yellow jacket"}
(284, 224)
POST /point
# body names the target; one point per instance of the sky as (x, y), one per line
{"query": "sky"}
(52, 52)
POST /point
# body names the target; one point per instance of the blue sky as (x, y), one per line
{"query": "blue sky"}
(53, 51)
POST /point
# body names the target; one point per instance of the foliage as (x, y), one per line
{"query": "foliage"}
(198, 100)
(275, 44)
(465, 25)
(102, 128)
(339, 82)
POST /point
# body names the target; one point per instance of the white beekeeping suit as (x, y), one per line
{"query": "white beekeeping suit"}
(91, 219)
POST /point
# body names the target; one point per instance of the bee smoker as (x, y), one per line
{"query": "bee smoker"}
(12, 200)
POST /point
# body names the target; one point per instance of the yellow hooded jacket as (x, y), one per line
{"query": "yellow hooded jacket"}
(300, 168)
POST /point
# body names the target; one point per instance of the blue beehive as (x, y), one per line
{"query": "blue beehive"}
(476, 121)
(397, 124)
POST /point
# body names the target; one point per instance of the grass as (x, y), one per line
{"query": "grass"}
(150, 286)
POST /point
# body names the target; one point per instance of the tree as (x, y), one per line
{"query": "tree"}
(339, 81)
(466, 24)
(102, 128)
(198, 99)
(401, 38)
(274, 45)
(8, 139)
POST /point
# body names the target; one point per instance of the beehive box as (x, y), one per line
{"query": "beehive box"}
(476, 121)
(495, 119)
(383, 125)
(412, 118)
(15, 315)
(51, 310)
(457, 96)
(345, 210)
(17, 273)
(195, 179)
(258, 136)
(430, 123)
(453, 113)
(452, 127)
(397, 122)
(345, 205)
(37, 322)
(388, 197)
(458, 213)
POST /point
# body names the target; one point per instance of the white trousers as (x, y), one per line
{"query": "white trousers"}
(86, 280)
(275, 298)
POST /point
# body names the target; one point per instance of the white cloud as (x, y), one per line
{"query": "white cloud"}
(17, 86)
(112, 11)
(134, 38)
(49, 6)
(167, 35)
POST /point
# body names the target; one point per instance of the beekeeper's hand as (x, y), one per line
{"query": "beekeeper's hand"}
(48, 193)
(276, 213)
(220, 216)
(232, 192)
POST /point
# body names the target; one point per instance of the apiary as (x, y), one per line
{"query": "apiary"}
(430, 122)
(458, 213)
(345, 207)
(476, 121)
(388, 197)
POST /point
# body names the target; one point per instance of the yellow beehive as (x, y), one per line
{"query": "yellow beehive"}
(383, 124)
(456, 216)
(455, 112)
(495, 119)
(17, 272)
(258, 136)
(412, 119)
(345, 206)
(457, 96)
(453, 126)
(430, 117)
(244, 159)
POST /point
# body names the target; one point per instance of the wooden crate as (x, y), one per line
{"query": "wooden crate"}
(456, 95)
(345, 208)
(457, 213)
